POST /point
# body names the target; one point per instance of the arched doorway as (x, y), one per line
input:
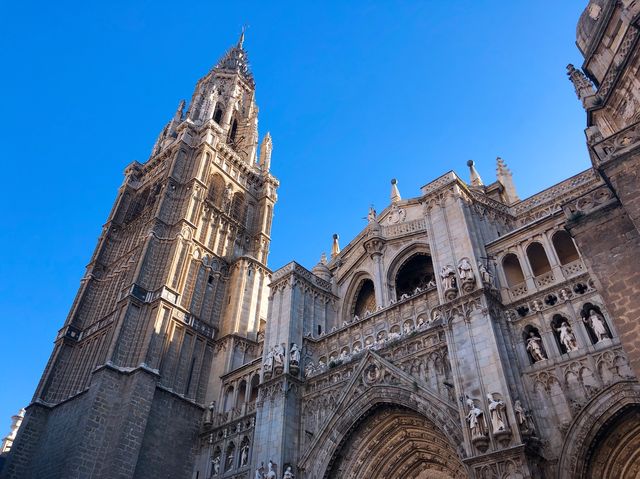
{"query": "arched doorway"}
(416, 272)
(603, 441)
(394, 441)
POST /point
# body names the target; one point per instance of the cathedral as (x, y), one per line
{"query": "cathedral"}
(463, 333)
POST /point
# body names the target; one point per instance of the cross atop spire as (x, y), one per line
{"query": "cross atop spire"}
(241, 39)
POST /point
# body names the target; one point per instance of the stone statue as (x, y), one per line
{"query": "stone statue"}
(534, 346)
(271, 473)
(448, 276)
(567, 338)
(466, 271)
(215, 464)
(288, 474)
(278, 356)
(208, 417)
(371, 216)
(597, 325)
(485, 276)
(321, 365)
(497, 413)
(294, 355)
(309, 369)
(229, 462)
(521, 415)
(268, 361)
(475, 417)
(344, 356)
(244, 455)
(259, 472)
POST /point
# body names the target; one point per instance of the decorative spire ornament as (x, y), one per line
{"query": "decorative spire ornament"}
(395, 193)
(475, 176)
(335, 247)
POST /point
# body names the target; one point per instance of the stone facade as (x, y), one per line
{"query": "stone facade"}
(462, 333)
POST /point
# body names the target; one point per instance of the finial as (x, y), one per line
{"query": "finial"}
(475, 176)
(335, 247)
(395, 192)
(323, 258)
(583, 86)
(180, 109)
(266, 147)
(503, 175)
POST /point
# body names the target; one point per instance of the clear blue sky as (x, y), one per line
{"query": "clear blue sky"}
(354, 94)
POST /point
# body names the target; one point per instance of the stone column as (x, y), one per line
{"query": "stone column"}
(375, 247)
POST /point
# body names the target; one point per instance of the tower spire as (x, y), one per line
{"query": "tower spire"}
(475, 176)
(241, 39)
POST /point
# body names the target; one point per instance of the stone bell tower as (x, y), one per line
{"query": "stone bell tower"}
(180, 265)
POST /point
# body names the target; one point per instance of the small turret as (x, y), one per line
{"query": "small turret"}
(395, 193)
(503, 175)
(321, 270)
(335, 247)
(475, 176)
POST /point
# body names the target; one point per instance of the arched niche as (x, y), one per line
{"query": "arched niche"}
(585, 314)
(364, 299)
(216, 190)
(512, 270)
(255, 382)
(538, 260)
(565, 247)
(415, 272)
(228, 399)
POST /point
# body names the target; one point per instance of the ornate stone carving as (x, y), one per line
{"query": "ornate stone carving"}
(467, 277)
(288, 473)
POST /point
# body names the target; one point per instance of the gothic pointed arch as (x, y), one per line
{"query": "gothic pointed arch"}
(360, 297)
(403, 265)
(382, 401)
(604, 438)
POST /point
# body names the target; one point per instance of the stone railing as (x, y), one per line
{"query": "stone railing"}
(573, 269)
(518, 290)
(407, 227)
(617, 144)
(544, 280)
(592, 200)
(553, 194)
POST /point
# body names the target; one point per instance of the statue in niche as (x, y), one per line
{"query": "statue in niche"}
(268, 362)
(294, 355)
(497, 413)
(534, 346)
(567, 338)
(521, 416)
(215, 465)
(208, 419)
(485, 276)
(356, 349)
(229, 462)
(288, 474)
(344, 356)
(259, 472)
(596, 322)
(244, 455)
(278, 356)
(475, 417)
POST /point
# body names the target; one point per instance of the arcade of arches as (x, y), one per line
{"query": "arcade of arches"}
(391, 441)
